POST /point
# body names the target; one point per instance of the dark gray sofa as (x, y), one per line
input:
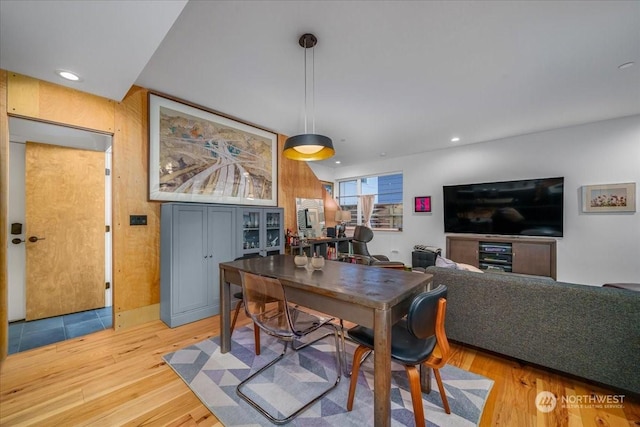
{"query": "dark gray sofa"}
(587, 331)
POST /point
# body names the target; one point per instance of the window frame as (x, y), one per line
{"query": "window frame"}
(358, 220)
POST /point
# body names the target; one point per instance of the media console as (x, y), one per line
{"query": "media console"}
(524, 255)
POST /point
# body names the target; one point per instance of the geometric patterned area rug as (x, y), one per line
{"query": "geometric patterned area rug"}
(213, 377)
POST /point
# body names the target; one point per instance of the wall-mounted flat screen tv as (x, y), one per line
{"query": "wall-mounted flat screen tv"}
(531, 207)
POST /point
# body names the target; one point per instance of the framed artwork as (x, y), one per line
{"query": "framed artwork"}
(198, 156)
(609, 198)
(328, 186)
(422, 204)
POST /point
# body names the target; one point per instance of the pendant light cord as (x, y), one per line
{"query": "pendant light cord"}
(313, 89)
(305, 86)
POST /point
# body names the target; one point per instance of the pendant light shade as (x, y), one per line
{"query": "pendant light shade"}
(308, 146)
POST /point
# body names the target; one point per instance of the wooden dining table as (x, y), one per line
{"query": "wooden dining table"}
(370, 296)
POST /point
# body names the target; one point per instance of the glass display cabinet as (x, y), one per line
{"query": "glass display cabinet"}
(262, 231)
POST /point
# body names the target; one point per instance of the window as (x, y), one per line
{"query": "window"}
(387, 207)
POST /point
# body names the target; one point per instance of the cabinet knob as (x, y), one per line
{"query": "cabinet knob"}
(206, 256)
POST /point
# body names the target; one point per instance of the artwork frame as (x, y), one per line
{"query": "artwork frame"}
(609, 198)
(328, 186)
(197, 155)
(422, 204)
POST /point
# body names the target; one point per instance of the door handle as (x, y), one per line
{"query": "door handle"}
(34, 239)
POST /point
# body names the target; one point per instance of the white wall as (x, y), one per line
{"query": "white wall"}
(16, 255)
(595, 249)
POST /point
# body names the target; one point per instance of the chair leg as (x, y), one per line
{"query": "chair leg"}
(445, 402)
(416, 394)
(355, 369)
(235, 315)
(256, 338)
(345, 367)
(307, 405)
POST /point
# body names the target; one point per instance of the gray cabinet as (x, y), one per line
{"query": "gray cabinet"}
(260, 231)
(194, 239)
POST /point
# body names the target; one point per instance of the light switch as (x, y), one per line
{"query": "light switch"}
(137, 220)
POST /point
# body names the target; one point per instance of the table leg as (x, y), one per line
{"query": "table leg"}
(382, 368)
(225, 308)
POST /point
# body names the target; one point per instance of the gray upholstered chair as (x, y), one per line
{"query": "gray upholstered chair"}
(266, 303)
(363, 235)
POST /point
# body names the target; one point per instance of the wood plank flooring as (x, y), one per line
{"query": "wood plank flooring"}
(114, 378)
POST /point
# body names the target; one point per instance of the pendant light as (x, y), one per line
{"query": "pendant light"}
(308, 146)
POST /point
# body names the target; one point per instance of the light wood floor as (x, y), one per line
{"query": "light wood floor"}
(118, 378)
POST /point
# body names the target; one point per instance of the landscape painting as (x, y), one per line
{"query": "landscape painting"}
(198, 156)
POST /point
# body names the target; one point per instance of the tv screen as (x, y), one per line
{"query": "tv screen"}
(532, 207)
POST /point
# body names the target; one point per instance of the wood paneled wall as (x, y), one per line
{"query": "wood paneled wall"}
(36, 99)
(136, 250)
(296, 179)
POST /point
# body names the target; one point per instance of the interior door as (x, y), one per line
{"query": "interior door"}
(65, 230)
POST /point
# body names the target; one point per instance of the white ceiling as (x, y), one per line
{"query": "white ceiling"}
(390, 76)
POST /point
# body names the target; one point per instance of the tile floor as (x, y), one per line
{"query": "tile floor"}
(37, 333)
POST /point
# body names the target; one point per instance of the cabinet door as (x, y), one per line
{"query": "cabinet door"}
(252, 231)
(189, 290)
(221, 229)
(274, 235)
(532, 258)
(464, 251)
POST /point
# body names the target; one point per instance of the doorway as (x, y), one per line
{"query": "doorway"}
(74, 146)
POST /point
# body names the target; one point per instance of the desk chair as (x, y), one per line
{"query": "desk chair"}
(363, 235)
(418, 339)
(266, 304)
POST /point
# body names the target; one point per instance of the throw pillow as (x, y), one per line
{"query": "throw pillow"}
(446, 263)
(468, 267)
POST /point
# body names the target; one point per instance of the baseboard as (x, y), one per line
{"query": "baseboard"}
(137, 316)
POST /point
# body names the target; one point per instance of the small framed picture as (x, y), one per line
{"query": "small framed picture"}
(422, 204)
(609, 198)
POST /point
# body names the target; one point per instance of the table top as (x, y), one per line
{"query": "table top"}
(374, 287)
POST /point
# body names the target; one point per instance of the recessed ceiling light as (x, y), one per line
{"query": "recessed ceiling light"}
(455, 139)
(626, 65)
(383, 154)
(68, 75)
(337, 162)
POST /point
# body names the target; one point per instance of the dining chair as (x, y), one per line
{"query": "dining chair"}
(239, 304)
(266, 303)
(419, 338)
